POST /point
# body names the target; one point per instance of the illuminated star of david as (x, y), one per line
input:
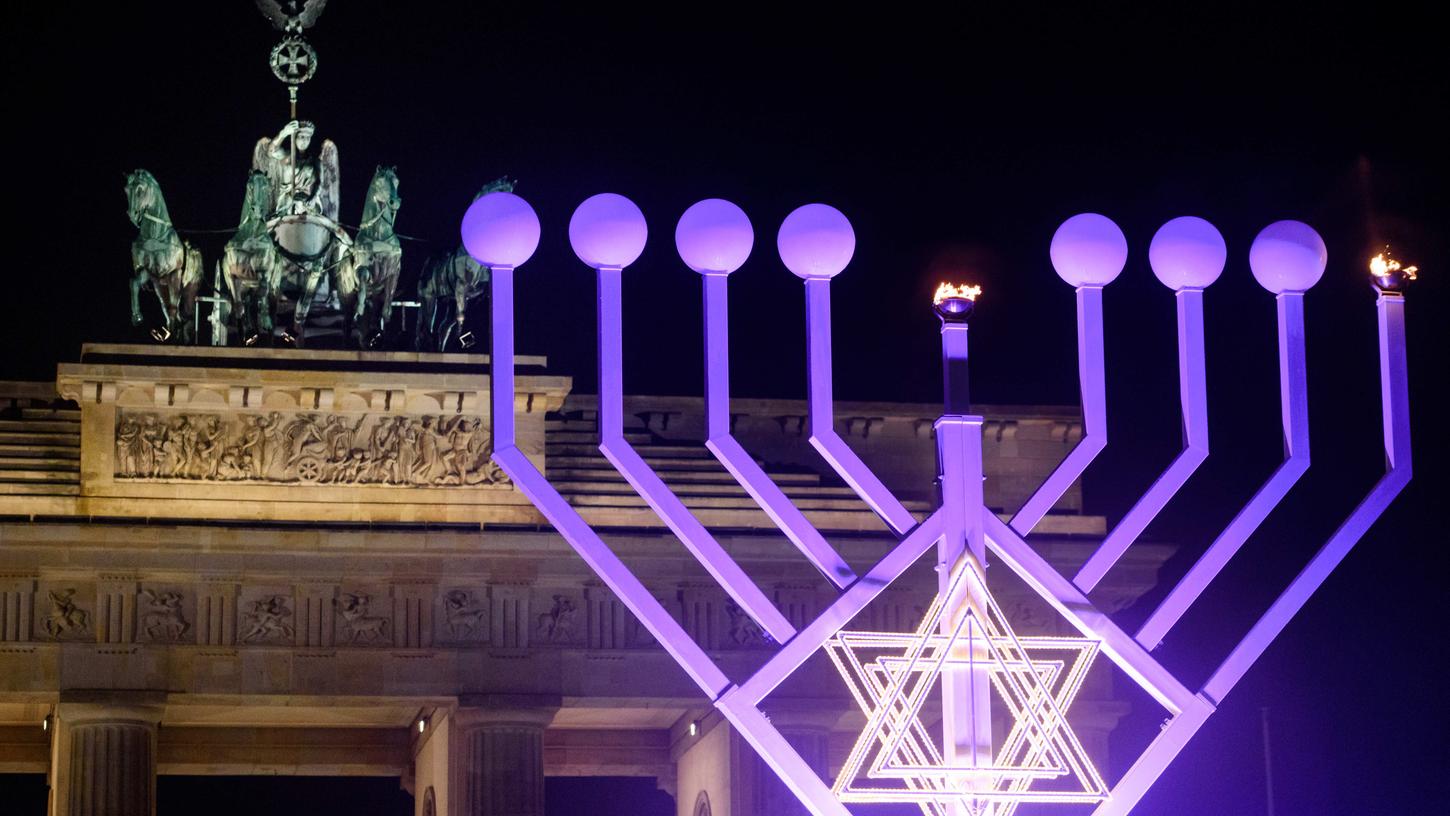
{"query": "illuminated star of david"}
(1036, 679)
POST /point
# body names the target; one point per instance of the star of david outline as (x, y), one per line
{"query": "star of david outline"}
(900, 746)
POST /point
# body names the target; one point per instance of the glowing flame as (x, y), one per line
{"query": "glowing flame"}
(947, 291)
(1382, 266)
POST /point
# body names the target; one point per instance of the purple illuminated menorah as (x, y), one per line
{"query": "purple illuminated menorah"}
(964, 648)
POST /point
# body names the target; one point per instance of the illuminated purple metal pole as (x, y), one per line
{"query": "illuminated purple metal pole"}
(714, 237)
(1088, 251)
(501, 232)
(1395, 409)
(608, 233)
(1187, 254)
(966, 690)
(816, 242)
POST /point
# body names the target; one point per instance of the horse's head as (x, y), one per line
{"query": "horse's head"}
(502, 184)
(384, 189)
(142, 194)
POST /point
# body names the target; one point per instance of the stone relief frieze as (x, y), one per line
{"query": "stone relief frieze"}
(163, 618)
(268, 620)
(65, 619)
(357, 626)
(465, 615)
(306, 448)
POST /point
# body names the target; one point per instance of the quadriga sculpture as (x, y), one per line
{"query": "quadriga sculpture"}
(369, 272)
(251, 265)
(160, 260)
(448, 283)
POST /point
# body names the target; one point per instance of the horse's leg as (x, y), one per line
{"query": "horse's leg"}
(423, 329)
(137, 281)
(390, 288)
(466, 338)
(163, 295)
(304, 301)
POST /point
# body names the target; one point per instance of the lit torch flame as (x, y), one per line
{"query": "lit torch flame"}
(947, 291)
(1382, 266)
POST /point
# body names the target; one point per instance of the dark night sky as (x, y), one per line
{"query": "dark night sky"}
(956, 143)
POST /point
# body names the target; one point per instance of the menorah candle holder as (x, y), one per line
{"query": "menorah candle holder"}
(964, 641)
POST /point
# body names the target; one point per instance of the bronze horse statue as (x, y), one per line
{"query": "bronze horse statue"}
(161, 261)
(369, 272)
(251, 265)
(448, 283)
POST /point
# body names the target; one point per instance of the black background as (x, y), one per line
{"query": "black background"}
(956, 141)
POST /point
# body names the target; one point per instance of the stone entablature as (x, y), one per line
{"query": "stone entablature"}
(245, 435)
(207, 610)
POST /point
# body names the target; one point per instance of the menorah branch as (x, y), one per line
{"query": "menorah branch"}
(741, 465)
(623, 583)
(1294, 410)
(1090, 373)
(1395, 413)
(1193, 397)
(824, 438)
(649, 485)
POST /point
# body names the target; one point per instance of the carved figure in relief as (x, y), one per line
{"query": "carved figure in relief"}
(65, 618)
(163, 618)
(463, 614)
(268, 621)
(128, 439)
(744, 631)
(361, 627)
(557, 625)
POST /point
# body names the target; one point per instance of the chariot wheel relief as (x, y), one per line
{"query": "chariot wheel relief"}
(309, 469)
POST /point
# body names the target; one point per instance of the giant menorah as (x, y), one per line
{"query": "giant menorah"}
(964, 653)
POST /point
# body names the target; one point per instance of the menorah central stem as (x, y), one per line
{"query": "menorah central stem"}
(966, 680)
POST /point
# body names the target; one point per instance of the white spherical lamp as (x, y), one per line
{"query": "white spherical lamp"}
(816, 241)
(714, 237)
(1187, 253)
(607, 231)
(500, 230)
(1089, 250)
(1288, 256)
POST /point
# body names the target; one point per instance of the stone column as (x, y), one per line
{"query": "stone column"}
(103, 762)
(497, 757)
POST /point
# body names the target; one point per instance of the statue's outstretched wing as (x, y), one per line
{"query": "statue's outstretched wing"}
(327, 182)
(263, 163)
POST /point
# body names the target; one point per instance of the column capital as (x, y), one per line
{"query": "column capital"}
(482, 710)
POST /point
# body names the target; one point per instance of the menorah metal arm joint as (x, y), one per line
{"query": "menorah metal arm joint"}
(1193, 396)
(648, 484)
